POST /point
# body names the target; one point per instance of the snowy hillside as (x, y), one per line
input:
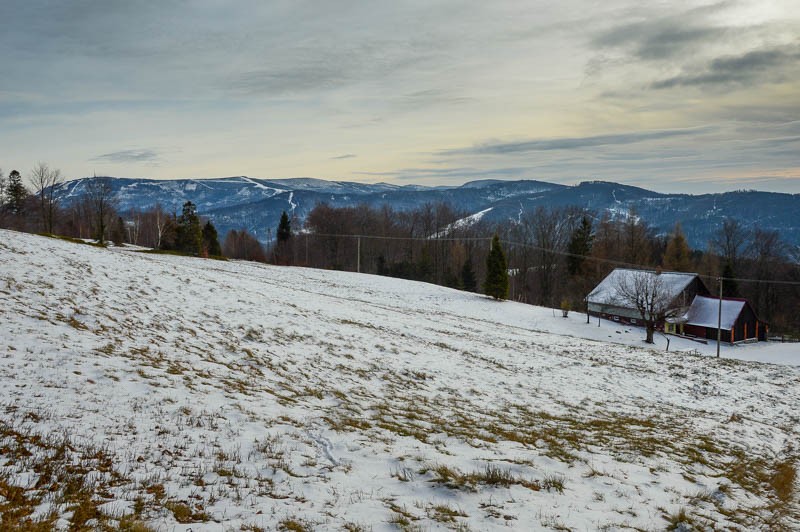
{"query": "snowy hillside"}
(177, 393)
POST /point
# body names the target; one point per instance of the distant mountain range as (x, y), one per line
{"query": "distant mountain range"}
(256, 204)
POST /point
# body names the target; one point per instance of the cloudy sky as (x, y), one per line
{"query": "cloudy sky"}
(672, 96)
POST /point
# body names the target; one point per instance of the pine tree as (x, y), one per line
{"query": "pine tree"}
(468, 280)
(282, 252)
(496, 283)
(580, 246)
(211, 240)
(189, 237)
(118, 232)
(16, 193)
(284, 232)
(677, 257)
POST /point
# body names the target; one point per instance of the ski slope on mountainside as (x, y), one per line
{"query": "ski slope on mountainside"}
(186, 393)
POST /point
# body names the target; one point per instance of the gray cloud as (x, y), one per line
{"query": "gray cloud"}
(574, 143)
(658, 39)
(755, 67)
(345, 156)
(129, 156)
(322, 66)
(655, 36)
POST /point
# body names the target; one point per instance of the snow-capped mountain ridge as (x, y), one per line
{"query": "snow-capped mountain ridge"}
(256, 204)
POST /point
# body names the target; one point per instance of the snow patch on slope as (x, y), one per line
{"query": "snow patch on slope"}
(258, 394)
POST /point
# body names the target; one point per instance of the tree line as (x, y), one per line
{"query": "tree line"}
(33, 204)
(96, 215)
(554, 257)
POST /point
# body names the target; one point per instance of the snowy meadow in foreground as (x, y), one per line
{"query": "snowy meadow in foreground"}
(146, 391)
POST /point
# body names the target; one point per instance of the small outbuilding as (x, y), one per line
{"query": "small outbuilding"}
(738, 320)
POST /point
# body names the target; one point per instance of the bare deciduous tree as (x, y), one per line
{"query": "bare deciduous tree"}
(243, 245)
(102, 203)
(645, 291)
(153, 225)
(44, 180)
(767, 253)
(730, 242)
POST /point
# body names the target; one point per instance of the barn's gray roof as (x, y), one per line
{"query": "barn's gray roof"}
(607, 292)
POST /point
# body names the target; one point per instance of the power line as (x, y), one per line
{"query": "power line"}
(419, 238)
(546, 250)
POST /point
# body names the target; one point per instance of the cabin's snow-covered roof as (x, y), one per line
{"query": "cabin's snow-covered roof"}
(607, 292)
(705, 310)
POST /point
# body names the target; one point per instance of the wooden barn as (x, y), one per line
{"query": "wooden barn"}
(679, 288)
(738, 322)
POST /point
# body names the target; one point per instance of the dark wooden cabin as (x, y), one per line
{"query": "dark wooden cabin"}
(738, 321)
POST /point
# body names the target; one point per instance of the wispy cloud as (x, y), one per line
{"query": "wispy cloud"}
(659, 38)
(573, 143)
(345, 156)
(755, 67)
(129, 156)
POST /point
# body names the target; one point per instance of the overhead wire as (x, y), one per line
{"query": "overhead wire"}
(546, 250)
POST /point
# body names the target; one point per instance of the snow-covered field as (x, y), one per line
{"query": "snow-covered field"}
(143, 390)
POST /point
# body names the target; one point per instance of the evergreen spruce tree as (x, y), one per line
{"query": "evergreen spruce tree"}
(678, 257)
(211, 240)
(282, 253)
(580, 245)
(16, 193)
(189, 237)
(468, 280)
(118, 232)
(284, 232)
(496, 283)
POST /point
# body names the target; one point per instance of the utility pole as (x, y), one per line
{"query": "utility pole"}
(306, 250)
(719, 316)
(358, 261)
